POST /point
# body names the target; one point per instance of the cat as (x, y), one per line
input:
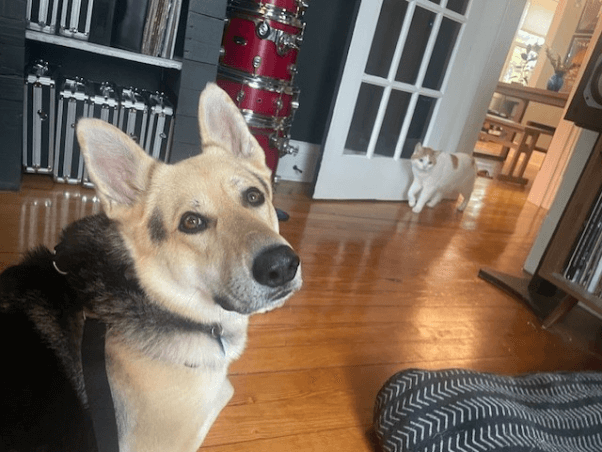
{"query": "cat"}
(438, 173)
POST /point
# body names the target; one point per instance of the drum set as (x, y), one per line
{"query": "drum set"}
(257, 68)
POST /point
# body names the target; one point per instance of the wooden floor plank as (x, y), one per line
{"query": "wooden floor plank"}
(385, 290)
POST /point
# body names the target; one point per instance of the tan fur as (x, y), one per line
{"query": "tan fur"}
(454, 160)
(162, 404)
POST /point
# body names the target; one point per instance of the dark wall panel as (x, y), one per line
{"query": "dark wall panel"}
(328, 26)
(12, 57)
(195, 76)
(203, 38)
(11, 131)
(204, 28)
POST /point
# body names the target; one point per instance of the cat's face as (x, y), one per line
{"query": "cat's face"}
(423, 158)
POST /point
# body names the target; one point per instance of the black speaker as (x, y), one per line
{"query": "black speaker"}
(585, 109)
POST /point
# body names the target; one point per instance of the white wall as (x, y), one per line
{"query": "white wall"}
(555, 181)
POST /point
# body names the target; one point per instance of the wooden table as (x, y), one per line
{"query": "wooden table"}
(528, 94)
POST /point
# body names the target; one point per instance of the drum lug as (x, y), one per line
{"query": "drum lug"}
(302, 5)
(284, 41)
(240, 96)
(283, 145)
(289, 149)
(256, 62)
(263, 30)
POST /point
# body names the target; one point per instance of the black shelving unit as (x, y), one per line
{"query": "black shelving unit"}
(182, 78)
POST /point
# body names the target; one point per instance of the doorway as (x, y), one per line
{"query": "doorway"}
(415, 71)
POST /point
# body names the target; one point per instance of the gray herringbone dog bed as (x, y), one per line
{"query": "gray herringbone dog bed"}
(464, 411)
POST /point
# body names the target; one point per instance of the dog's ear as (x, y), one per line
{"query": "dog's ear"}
(118, 167)
(222, 125)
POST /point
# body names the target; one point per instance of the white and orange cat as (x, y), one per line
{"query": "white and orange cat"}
(437, 174)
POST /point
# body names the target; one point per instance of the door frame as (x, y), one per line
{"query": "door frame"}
(457, 134)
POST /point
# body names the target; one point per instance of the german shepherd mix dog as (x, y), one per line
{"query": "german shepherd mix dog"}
(181, 257)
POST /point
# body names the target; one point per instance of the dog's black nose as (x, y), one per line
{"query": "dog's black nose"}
(275, 266)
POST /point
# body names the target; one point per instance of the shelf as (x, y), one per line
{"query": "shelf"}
(102, 50)
(575, 290)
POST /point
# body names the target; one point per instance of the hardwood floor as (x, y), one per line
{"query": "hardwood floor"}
(385, 290)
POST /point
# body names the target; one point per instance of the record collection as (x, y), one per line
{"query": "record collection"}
(584, 266)
(149, 27)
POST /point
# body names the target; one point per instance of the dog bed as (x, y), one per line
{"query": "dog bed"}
(460, 410)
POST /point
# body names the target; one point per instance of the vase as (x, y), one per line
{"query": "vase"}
(555, 82)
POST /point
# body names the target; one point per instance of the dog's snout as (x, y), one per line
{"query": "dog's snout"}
(275, 266)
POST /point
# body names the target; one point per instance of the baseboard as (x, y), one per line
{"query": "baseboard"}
(302, 166)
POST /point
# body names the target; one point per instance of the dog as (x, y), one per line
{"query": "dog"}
(179, 259)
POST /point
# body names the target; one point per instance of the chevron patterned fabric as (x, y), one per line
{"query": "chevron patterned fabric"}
(464, 411)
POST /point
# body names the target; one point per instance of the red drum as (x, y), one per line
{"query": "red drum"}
(261, 46)
(272, 136)
(295, 7)
(259, 95)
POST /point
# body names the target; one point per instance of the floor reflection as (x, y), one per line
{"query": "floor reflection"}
(42, 218)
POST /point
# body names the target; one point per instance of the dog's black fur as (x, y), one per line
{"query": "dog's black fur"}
(40, 410)
(44, 407)
(41, 325)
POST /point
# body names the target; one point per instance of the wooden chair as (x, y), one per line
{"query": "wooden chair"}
(507, 129)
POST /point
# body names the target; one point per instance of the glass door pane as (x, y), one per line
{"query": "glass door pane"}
(384, 41)
(405, 69)
(419, 126)
(458, 6)
(392, 123)
(411, 58)
(444, 46)
(364, 116)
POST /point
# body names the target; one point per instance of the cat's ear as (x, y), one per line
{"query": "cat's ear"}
(418, 147)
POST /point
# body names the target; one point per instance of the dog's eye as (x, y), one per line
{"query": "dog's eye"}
(254, 197)
(192, 222)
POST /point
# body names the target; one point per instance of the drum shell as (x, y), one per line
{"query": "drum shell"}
(272, 153)
(245, 51)
(293, 7)
(272, 135)
(263, 99)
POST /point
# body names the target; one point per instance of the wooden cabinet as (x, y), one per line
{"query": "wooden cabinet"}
(551, 293)
(182, 79)
(569, 230)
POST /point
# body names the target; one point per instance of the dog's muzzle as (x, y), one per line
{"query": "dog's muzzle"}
(274, 270)
(275, 266)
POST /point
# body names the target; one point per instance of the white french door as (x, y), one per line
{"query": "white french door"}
(411, 74)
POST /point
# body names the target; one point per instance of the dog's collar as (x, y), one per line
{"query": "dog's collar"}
(216, 331)
(56, 267)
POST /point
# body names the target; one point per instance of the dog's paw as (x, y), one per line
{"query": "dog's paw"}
(417, 209)
(411, 202)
